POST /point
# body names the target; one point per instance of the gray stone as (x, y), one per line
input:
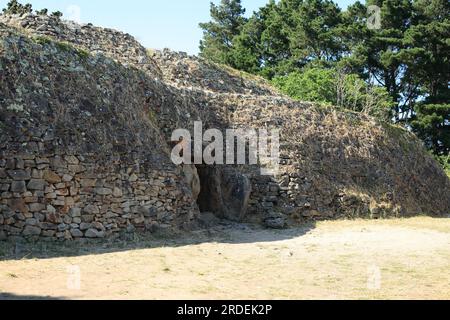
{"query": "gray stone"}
(208, 219)
(87, 218)
(75, 212)
(91, 209)
(19, 175)
(76, 220)
(51, 209)
(31, 222)
(92, 233)
(31, 231)
(51, 177)
(37, 207)
(63, 227)
(275, 220)
(36, 184)
(18, 186)
(117, 192)
(86, 183)
(103, 191)
(76, 233)
(67, 178)
(71, 160)
(85, 226)
(48, 233)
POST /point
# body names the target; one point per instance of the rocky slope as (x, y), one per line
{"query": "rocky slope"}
(86, 116)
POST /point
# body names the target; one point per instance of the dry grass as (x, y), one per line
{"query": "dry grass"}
(333, 260)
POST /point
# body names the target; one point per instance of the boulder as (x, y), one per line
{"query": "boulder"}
(192, 179)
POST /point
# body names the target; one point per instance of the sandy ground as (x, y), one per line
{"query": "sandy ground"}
(394, 259)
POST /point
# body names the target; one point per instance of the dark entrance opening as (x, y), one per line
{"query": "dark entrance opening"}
(225, 192)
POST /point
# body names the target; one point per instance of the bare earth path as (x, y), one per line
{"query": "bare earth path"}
(392, 259)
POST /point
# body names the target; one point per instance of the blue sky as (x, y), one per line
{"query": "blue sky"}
(155, 23)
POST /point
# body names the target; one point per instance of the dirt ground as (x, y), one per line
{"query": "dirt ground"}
(390, 259)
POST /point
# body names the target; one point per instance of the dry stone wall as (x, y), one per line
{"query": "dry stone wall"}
(80, 153)
(69, 197)
(85, 120)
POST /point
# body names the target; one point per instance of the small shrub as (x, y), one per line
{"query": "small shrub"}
(42, 40)
(57, 15)
(15, 7)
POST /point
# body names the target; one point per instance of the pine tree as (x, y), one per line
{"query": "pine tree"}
(218, 34)
(428, 62)
(15, 7)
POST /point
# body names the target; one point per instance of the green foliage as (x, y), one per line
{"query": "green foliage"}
(431, 123)
(445, 162)
(312, 84)
(14, 7)
(64, 46)
(218, 34)
(56, 15)
(42, 40)
(400, 72)
(42, 12)
(83, 54)
(332, 86)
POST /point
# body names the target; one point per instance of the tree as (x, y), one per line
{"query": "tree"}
(42, 12)
(15, 7)
(334, 86)
(285, 36)
(57, 15)
(218, 34)
(427, 56)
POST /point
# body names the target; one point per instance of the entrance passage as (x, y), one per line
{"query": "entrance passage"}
(224, 191)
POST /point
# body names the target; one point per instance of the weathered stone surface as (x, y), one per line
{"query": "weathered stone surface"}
(103, 191)
(88, 182)
(117, 192)
(18, 186)
(92, 233)
(18, 205)
(51, 177)
(37, 207)
(75, 212)
(193, 180)
(85, 226)
(31, 231)
(36, 184)
(71, 160)
(100, 158)
(76, 233)
(19, 175)
(91, 209)
(275, 220)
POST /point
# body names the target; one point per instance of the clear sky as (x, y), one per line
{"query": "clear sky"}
(155, 23)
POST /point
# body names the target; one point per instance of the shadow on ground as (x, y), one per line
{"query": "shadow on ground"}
(10, 296)
(231, 233)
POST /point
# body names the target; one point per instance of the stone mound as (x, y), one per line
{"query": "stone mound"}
(86, 117)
